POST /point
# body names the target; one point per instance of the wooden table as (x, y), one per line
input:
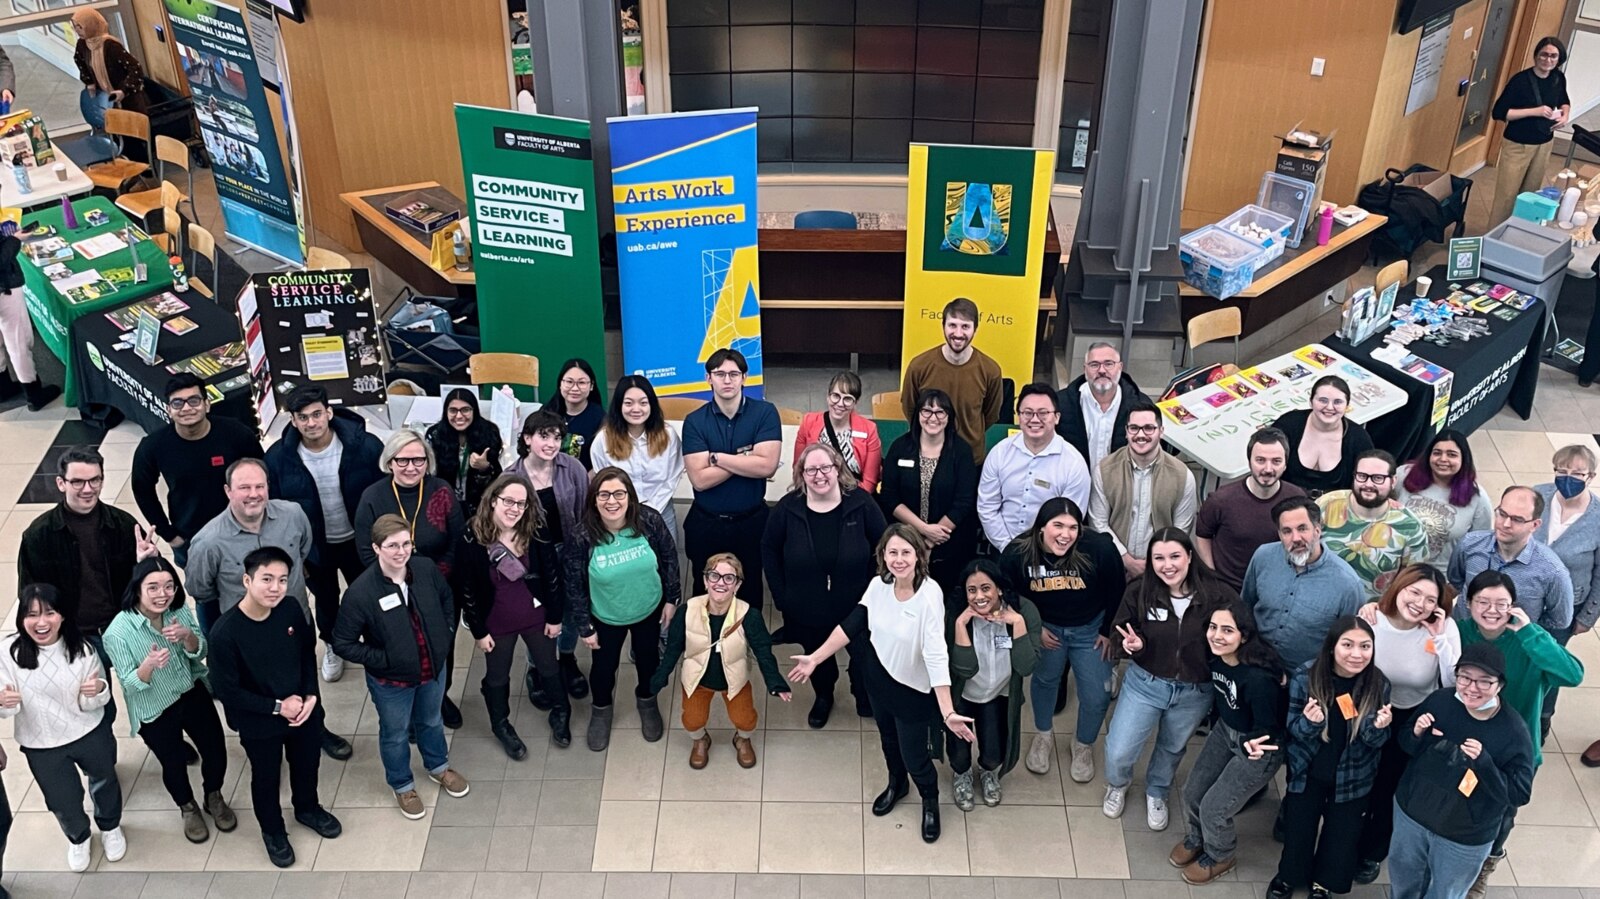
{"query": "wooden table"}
(406, 251)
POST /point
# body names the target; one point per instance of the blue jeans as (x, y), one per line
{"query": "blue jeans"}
(403, 709)
(1167, 708)
(1091, 672)
(1424, 865)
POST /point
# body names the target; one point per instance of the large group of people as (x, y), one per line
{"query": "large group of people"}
(1381, 631)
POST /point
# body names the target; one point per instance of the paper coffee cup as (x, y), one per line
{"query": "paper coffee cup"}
(1423, 284)
(60, 169)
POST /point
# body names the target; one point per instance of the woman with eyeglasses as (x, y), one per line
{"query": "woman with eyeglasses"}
(817, 555)
(429, 508)
(839, 426)
(620, 566)
(1571, 526)
(1533, 104)
(1440, 487)
(577, 400)
(636, 439)
(466, 447)
(1416, 644)
(931, 483)
(508, 585)
(1535, 665)
(1323, 443)
(715, 636)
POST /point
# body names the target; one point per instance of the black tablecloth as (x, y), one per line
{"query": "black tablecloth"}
(1490, 372)
(114, 384)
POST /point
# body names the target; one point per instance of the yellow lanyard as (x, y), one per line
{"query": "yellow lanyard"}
(411, 519)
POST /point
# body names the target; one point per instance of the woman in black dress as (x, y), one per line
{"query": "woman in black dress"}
(930, 482)
(1323, 442)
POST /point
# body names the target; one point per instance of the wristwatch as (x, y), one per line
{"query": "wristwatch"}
(277, 707)
(713, 460)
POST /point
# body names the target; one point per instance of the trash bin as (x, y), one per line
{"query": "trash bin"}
(1532, 259)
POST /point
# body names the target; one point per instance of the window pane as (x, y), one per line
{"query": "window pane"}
(47, 76)
(825, 48)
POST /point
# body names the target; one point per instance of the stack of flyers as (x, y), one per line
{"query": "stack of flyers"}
(1177, 412)
(55, 271)
(1238, 387)
(1570, 350)
(1314, 357)
(84, 287)
(212, 362)
(1477, 288)
(1213, 397)
(1295, 371)
(1484, 304)
(1421, 369)
(46, 250)
(1506, 312)
(1259, 378)
(181, 324)
(1500, 291)
(1520, 300)
(161, 306)
(120, 275)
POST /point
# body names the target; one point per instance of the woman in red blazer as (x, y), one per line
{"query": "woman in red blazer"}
(854, 436)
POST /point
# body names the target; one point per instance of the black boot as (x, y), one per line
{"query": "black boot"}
(8, 386)
(572, 678)
(930, 820)
(561, 723)
(891, 794)
(40, 394)
(451, 713)
(498, 701)
(538, 692)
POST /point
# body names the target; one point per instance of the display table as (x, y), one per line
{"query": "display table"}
(52, 313)
(1220, 429)
(1490, 372)
(115, 383)
(47, 188)
(405, 251)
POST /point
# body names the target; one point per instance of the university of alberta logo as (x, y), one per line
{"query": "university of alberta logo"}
(977, 218)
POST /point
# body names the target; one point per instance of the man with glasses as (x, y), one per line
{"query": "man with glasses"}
(1139, 489)
(970, 378)
(1544, 589)
(731, 446)
(190, 454)
(1368, 529)
(1095, 406)
(323, 463)
(1236, 519)
(1296, 587)
(215, 575)
(1028, 468)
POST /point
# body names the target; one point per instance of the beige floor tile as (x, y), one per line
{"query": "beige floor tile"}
(893, 844)
(1577, 724)
(791, 715)
(1560, 439)
(242, 850)
(1020, 841)
(1554, 856)
(1556, 801)
(155, 843)
(811, 766)
(626, 835)
(14, 477)
(708, 836)
(16, 521)
(374, 839)
(634, 769)
(1098, 849)
(36, 843)
(1523, 450)
(875, 773)
(1495, 483)
(1485, 454)
(722, 779)
(362, 784)
(811, 838)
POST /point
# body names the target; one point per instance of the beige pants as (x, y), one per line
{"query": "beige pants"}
(1521, 167)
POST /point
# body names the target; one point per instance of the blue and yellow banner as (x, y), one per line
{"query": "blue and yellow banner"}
(684, 193)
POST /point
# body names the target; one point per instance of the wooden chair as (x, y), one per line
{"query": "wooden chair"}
(790, 416)
(886, 406)
(1393, 273)
(677, 408)
(1214, 325)
(318, 259)
(172, 228)
(140, 204)
(113, 174)
(201, 243)
(504, 368)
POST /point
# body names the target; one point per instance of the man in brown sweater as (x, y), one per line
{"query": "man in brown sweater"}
(961, 370)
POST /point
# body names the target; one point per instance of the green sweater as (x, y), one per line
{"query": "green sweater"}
(1535, 664)
(1024, 656)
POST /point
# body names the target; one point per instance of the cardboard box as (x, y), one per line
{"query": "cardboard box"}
(1303, 154)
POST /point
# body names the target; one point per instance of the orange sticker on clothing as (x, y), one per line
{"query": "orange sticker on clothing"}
(1469, 782)
(1429, 647)
(1347, 706)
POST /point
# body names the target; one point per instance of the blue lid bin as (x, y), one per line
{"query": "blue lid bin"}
(1217, 261)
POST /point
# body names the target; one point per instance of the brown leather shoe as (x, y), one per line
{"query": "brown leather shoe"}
(700, 752)
(1181, 855)
(745, 752)
(1197, 873)
(1591, 756)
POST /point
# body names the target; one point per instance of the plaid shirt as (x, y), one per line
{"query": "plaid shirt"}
(1358, 764)
(1544, 588)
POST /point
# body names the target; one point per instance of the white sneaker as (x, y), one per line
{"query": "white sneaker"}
(1155, 813)
(332, 665)
(1039, 753)
(1082, 762)
(78, 856)
(1112, 806)
(114, 844)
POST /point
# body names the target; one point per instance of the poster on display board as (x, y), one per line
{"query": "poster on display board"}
(313, 327)
(535, 246)
(231, 103)
(975, 228)
(684, 192)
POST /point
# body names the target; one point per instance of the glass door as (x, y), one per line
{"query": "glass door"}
(1486, 70)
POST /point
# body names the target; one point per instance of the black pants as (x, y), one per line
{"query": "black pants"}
(5, 824)
(1562, 636)
(705, 535)
(826, 675)
(1379, 826)
(603, 662)
(1590, 369)
(195, 715)
(1328, 858)
(97, 639)
(322, 580)
(302, 746)
(991, 721)
(905, 719)
(56, 771)
(541, 655)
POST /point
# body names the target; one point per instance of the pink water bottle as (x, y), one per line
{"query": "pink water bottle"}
(1325, 226)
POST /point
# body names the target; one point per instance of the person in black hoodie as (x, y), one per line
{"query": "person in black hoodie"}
(16, 328)
(398, 623)
(943, 511)
(466, 447)
(817, 552)
(1471, 763)
(1107, 394)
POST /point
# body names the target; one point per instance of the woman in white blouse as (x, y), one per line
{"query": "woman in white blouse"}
(1416, 646)
(635, 438)
(901, 617)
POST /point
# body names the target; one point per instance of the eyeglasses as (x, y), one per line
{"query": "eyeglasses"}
(458, 411)
(162, 588)
(1482, 683)
(515, 505)
(933, 414)
(80, 483)
(1491, 606)
(395, 547)
(812, 471)
(410, 461)
(1548, 55)
(713, 577)
(607, 496)
(577, 383)
(1035, 414)
(843, 399)
(1143, 429)
(1514, 519)
(726, 375)
(193, 402)
(1365, 478)
(1334, 402)
(1102, 366)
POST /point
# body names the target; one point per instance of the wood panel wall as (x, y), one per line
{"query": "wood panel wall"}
(374, 85)
(160, 55)
(1428, 135)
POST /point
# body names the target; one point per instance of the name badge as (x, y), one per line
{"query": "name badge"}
(908, 463)
(1041, 483)
(1002, 641)
(1157, 615)
(1347, 706)
(390, 602)
(859, 435)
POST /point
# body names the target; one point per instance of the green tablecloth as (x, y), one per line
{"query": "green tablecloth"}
(52, 313)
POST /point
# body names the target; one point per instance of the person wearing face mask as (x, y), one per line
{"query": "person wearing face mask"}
(994, 644)
(1236, 519)
(1296, 587)
(1140, 489)
(1366, 528)
(1339, 718)
(1571, 527)
(1323, 443)
(1535, 665)
(1544, 587)
(1095, 406)
(560, 483)
(1161, 626)
(1441, 488)
(635, 438)
(854, 436)
(1471, 766)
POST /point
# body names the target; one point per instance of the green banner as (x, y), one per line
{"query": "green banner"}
(530, 195)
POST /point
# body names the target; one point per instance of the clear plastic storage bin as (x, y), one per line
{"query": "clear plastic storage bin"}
(1272, 234)
(1288, 197)
(1217, 261)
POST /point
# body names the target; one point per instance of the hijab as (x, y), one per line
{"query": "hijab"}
(93, 30)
